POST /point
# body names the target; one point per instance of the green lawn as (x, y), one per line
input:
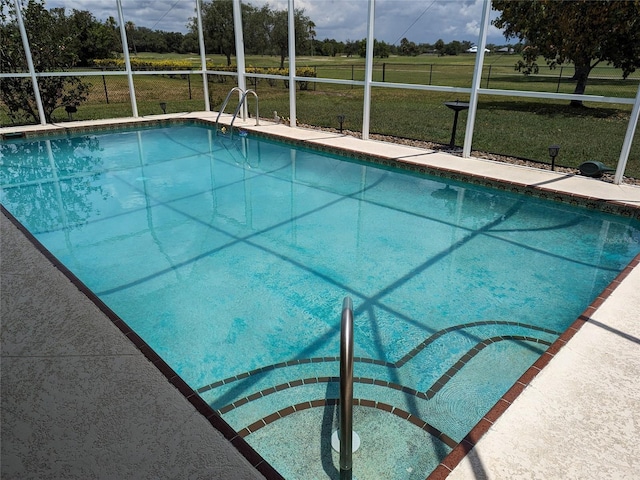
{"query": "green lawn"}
(506, 125)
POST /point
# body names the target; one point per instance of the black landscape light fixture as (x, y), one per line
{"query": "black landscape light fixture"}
(163, 106)
(553, 153)
(341, 118)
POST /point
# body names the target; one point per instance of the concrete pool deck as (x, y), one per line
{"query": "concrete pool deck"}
(79, 400)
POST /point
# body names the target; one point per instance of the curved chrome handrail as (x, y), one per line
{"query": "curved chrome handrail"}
(226, 100)
(346, 385)
(240, 103)
(243, 97)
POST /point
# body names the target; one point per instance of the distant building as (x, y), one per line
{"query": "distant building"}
(474, 49)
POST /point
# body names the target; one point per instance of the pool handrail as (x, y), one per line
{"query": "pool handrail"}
(346, 385)
(240, 103)
(243, 96)
(224, 104)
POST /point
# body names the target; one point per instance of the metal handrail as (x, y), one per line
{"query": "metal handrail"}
(240, 103)
(243, 96)
(346, 385)
(226, 100)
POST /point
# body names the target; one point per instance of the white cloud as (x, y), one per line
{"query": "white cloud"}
(472, 28)
(168, 15)
(337, 19)
(418, 20)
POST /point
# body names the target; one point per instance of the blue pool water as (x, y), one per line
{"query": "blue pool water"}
(232, 256)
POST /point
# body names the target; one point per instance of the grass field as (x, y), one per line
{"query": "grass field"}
(506, 125)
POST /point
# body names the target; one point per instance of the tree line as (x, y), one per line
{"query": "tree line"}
(265, 33)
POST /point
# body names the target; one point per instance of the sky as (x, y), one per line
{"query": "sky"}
(420, 21)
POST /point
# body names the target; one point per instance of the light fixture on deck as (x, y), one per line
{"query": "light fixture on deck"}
(341, 118)
(553, 153)
(163, 106)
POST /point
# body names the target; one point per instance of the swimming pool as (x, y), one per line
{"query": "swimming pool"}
(231, 257)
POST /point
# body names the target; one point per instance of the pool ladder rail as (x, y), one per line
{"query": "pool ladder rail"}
(346, 433)
(241, 102)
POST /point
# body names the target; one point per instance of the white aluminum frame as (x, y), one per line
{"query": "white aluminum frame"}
(127, 60)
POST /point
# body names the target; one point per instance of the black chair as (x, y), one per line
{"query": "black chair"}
(71, 109)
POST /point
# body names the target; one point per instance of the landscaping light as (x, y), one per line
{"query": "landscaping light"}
(341, 118)
(553, 153)
(163, 106)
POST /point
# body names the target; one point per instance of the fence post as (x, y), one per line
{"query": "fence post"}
(352, 76)
(488, 76)
(384, 69)
(430, 72)
(106, 93)
(559, 78)
(189, 81)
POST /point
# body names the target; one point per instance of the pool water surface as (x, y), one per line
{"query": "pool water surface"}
(230, 257)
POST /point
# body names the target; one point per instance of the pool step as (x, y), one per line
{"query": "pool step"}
(298, 445)
(252, 401)
(442, 398)
(417, 363)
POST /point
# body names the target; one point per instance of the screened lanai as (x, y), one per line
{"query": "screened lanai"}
(85, 396)
(127, 86)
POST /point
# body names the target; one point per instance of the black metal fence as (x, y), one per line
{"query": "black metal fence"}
(603, 81)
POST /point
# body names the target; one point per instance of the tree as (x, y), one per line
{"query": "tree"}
(146, 40)
(51, 44)
(439, 46)
(112, 26)
(425, 48)
(190, 43)
(351, 47)
(91, 39)
(584, 32)
(264, 30)
(279, 32)
(217, 25)
(330, 47)
(173, 40)
(453, 48)
(408, 48)
(310, 28)
(257, 24)
(380, 49)
(130, 28)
